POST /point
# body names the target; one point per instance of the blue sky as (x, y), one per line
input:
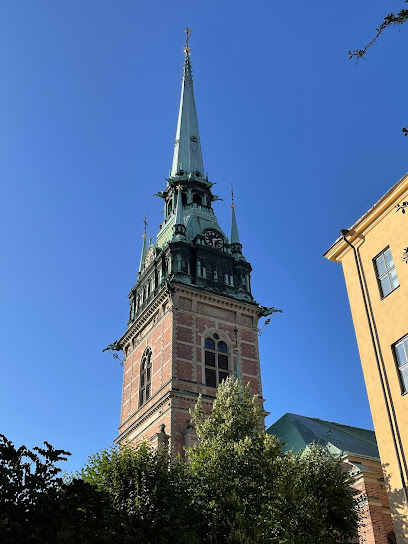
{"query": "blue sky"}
(88, 106)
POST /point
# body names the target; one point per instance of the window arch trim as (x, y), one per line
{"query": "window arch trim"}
(217, 358)
(145, 383)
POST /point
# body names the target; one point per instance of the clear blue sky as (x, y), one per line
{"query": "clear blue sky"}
(89, 94)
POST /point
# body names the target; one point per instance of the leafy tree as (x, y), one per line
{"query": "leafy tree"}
(150, 488)
(37, 507)
(237, 487)
(248, 491)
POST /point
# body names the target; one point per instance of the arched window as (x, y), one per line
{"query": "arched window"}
(216, 361)
(184, 199)
(222, 346)
(145, 377)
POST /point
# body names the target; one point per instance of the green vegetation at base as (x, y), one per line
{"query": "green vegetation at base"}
(237, 488)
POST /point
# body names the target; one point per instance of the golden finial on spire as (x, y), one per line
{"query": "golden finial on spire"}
(179, 187)
(186, 47)
(232, 197)
(145, 226)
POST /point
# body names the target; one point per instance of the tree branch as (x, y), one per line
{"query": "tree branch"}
(390, 20)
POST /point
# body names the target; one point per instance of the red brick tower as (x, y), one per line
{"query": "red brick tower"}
(193, 320)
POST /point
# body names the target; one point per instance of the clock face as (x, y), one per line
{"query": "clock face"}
(214, 239)
(149, 257)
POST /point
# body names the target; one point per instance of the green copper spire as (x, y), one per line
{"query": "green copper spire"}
(234, 228)
(187, 155)
(236, 245)
(143, 255)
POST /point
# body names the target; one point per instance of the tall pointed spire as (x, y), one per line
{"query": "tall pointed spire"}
(143, 255)
(235, 242)
(187, 155)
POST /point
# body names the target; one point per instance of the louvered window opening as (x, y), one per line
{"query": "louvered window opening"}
(216, 362)
(145, 377)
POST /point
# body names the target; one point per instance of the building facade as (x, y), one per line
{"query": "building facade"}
(358, 449)
(374, 254)
(192, 320)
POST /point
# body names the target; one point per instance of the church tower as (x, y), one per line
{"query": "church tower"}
(193, 320)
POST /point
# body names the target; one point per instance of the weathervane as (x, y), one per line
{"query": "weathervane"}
(145, 226)
(186, 47)
(232, 197)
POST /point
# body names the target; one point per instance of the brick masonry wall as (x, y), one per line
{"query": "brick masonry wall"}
(375, 521)
(176, 338)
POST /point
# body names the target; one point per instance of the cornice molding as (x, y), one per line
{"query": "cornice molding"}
(139, 421)
(385, 205)
(163, 295)
(172, 394)
(218, 300)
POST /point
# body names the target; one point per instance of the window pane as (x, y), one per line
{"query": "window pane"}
(210, 377)
(404, 377)
(400, 353)
(209, 358)
(380, 265)
(393, 278)
(223, 361)
(385, 286)
(406, 347)
(209, 343)
(388, 259)
(222, 346)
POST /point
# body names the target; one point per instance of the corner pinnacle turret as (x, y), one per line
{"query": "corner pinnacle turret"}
(143, 254)
(236, 246)
(187, 155)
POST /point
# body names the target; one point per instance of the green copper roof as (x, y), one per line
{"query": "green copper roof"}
(187, 148)
(234, 228)
(296, 432)
(143, 255)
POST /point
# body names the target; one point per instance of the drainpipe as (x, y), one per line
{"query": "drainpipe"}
(380, 366)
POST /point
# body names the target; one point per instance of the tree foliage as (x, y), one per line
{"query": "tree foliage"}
(236, 487)
(248, 491)
(37, 507)
(148, 486)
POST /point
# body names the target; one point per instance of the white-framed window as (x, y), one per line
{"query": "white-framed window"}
(216, 360)
(401, 356)
(145, 377)
(386, 273)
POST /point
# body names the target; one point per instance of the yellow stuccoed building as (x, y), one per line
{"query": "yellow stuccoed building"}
(374, 255)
